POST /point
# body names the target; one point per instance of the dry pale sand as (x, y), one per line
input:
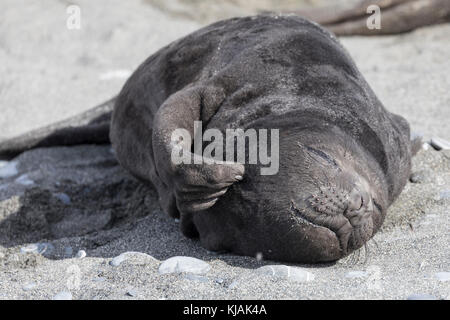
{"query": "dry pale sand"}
(55, 202)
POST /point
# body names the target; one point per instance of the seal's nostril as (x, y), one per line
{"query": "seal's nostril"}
(362, 202)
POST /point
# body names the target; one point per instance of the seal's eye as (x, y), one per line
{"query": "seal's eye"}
(322, 155)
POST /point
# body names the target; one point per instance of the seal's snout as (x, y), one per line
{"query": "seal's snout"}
(347, 213)
(359, 214)
(359, 207)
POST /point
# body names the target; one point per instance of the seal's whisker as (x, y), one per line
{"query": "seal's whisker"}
(376, 243)
(352, 260)
(366, 253)
(358, 255)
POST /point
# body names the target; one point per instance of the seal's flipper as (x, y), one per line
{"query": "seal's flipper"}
(398, 16)
(90, 127)
(404, 17)
(334, 14)
(197, 185)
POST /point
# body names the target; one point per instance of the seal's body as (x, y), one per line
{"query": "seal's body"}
(343, 157)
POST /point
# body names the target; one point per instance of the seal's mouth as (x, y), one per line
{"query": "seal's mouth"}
(347, 215)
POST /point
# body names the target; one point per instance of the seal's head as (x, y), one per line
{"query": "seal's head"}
(327, 200)
(339, 196)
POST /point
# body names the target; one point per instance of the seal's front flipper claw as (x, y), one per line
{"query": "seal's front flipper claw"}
(198, 187)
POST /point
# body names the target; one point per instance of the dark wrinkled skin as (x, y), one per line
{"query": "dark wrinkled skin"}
(343, 157)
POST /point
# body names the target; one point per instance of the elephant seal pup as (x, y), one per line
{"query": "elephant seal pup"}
(343, 158)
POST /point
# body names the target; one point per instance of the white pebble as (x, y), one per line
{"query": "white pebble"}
(440, 144)
(31, 248)
(29, 286)
(63, 295)
(8, 169)
(184, 264)
(286, 272)
(24, 180)
(116, 261)
(132, 293)
(37, 248)
(81, 254)
(442, 276)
